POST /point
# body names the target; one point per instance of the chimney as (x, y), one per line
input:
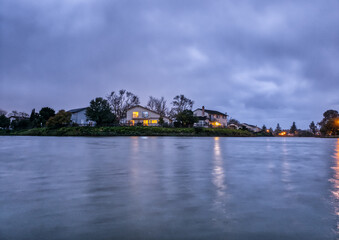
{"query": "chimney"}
(203, 111)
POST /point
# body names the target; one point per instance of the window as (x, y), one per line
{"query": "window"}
(145, 122)
(145, 114)
(135, 114)
(154, 121)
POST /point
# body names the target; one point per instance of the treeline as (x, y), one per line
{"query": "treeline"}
(108, 111)
(328, 126)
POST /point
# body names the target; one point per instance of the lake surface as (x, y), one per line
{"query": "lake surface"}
(168, 188)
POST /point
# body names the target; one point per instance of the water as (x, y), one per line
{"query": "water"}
(168, 188)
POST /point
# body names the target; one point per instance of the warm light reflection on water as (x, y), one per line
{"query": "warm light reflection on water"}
(335, 179)
(218, 170)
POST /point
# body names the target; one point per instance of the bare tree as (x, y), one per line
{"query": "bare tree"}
(18, 114)
(158, 105)
(181, 103)
(121, 101)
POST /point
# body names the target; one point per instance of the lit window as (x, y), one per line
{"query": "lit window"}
(145, 122)
(135, 114)
(154, 121)
(144, 114)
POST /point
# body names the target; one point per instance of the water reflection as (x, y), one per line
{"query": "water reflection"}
(335, 180)
(218, 170)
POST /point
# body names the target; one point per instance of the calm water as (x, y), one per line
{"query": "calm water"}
(168, 188)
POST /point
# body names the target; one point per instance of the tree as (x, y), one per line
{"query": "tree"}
(100, 112)
(181, 103)
(161, 121)
(34, 119)
(4, 121)
(328, 123)
(3, 112)
(61, 119)
(186, 118)
(264, 128)
(121, 101)
(234, 121)
(313, 127)
(277, 129)
(16, 114)
(293, 128)
(158, 105)
(45, 114)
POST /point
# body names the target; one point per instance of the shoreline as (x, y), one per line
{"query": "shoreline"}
(135, 131)
(130, 131)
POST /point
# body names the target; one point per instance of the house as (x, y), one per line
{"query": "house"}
(208, 118)
(79, 117)
(140, 115)
(250, 127)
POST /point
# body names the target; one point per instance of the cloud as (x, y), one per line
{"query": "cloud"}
(262, 62)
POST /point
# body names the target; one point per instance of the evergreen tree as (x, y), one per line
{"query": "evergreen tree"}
(100, 112)
(293, 128)
(277, 129)
(313, 127)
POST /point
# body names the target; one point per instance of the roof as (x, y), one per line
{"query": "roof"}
(249, 125)
(212, 112)
(76, 110)
(146, 109)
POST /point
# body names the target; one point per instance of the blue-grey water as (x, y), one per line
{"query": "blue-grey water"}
(168, 188)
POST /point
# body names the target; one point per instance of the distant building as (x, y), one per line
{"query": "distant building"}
(208, 118)
(79, 117)
(139, 115)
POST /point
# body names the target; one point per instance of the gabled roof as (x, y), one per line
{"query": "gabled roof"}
(146, 109)
(76, 110)
(249, 125)
(212, 112)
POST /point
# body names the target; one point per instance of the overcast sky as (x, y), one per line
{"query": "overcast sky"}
(262, 62)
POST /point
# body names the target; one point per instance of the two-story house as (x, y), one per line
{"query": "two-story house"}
(144, 116)
(208, 118)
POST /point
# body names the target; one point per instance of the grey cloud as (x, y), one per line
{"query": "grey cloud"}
(262, 62)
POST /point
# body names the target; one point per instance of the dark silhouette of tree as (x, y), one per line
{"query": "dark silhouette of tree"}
(121, 101)
(277, 129)
(293, 128)
(4, 121)
(3, 112)
(34, 119)
(328, 125)
(45, 114)
(158, 105)
(186, 118)
(234, 121)
(100, 112)
(313, 127)
(180, 103)
(61, 119)
(264, 128)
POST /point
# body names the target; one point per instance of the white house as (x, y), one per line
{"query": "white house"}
(208, 118)
(79, 117)
(144, 116)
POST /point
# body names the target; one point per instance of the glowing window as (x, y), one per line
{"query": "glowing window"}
(145, 122)
(135, 114)
(154, 121)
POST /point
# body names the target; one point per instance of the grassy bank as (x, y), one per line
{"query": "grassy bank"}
(128, 131)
